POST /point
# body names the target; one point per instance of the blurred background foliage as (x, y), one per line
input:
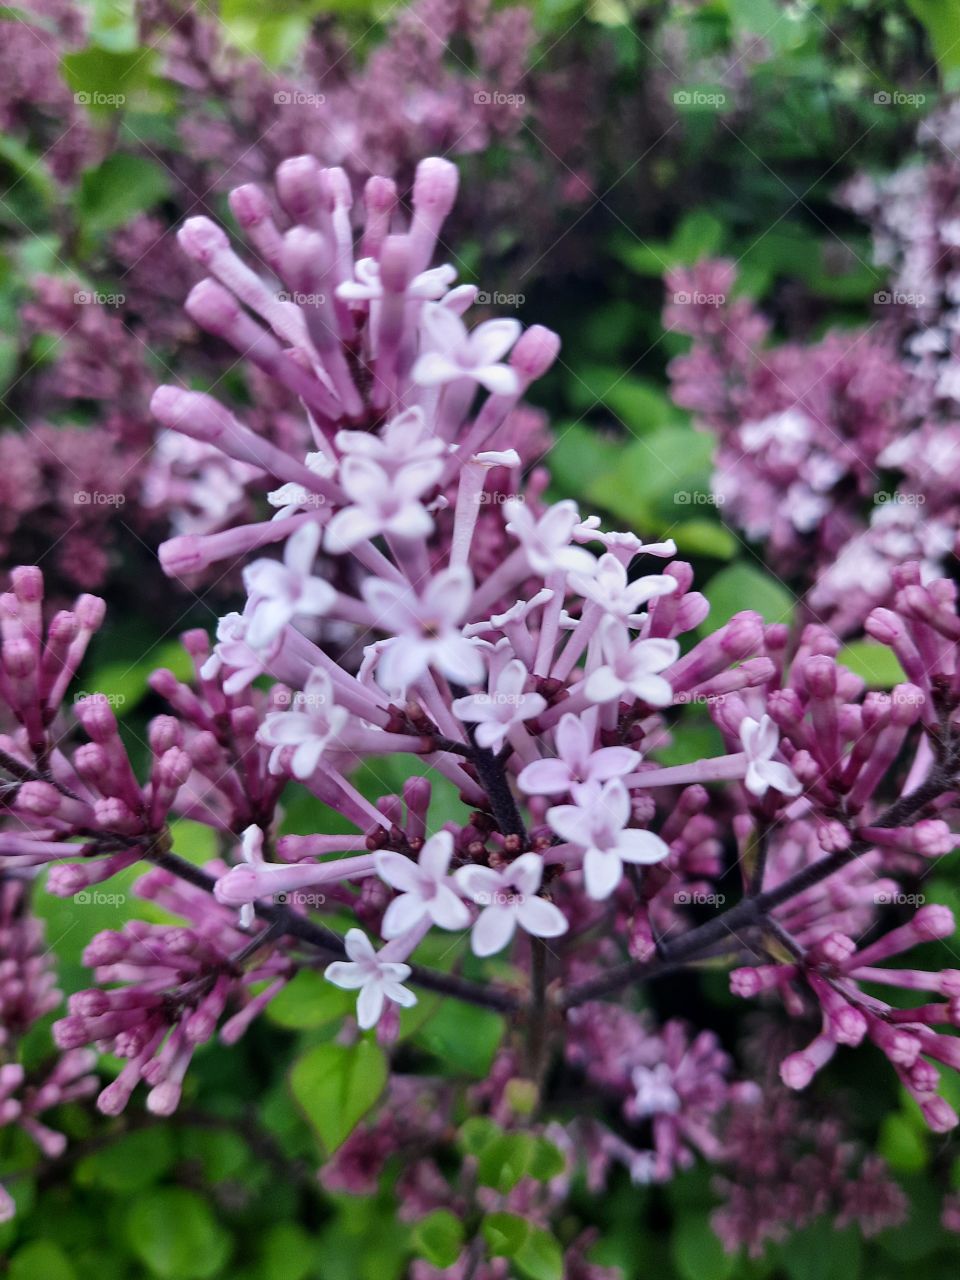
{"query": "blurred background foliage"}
(722, 127)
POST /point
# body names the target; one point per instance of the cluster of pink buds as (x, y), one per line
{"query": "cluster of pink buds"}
(28, 992)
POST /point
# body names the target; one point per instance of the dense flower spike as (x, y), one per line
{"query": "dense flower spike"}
(534, 670)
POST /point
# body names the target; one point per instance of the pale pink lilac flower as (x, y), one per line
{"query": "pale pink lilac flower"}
(426, 889)
(508, 898)
(377, 980)
(598, 826)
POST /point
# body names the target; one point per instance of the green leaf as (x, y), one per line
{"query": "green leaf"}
(902, 1144)
(540, 1256)
(877, 665)
(509, 1157)
(504, 1233)
(105, 79)
(696, 1251)
(658, 479)
(113, 25)
(941, 18)
(309, 1001)
(288, 1253)
(465, 1039)
(336, 1085)
(704, 538)
(122, 186)
(41, 1258)
(439, 1238)
(174, 1233)
(743, 586)
(132, 1163)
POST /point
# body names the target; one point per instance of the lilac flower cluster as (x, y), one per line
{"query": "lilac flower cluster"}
(415, 593)
(28, 993)
(839, 456)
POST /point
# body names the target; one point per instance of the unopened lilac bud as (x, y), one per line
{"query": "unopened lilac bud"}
(298, 187)
(27, 582)
(40, 799)
(534, 352)
(797, 1070)
(213, 308)
(821, 676)
(939, 1114)
(163, 733)
(96, 715)
(200, 239)
(933, 922)
(174, 768)
(106, 947)
(249, 205)
(164, 1099)
(435, 187)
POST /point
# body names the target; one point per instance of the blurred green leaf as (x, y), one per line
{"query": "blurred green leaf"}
(41, 1258)
(463, 1038)
(309, 1001)
(121, 187)
(438, 1238)
(336, 1085)
(504, 1233)
(133, 1162)
(540, 1256)
(743, 586)
(696, 1251)
(175, 1235)
(874, 663)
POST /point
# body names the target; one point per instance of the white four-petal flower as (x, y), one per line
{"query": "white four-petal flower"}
(760, 739)
(453, 353)
(281, 592)
(312, 725)
(426, 888)
(377, 980)
(598, 825)
(509, 898)
(631, 667)
(576, 764)
(496, 712)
